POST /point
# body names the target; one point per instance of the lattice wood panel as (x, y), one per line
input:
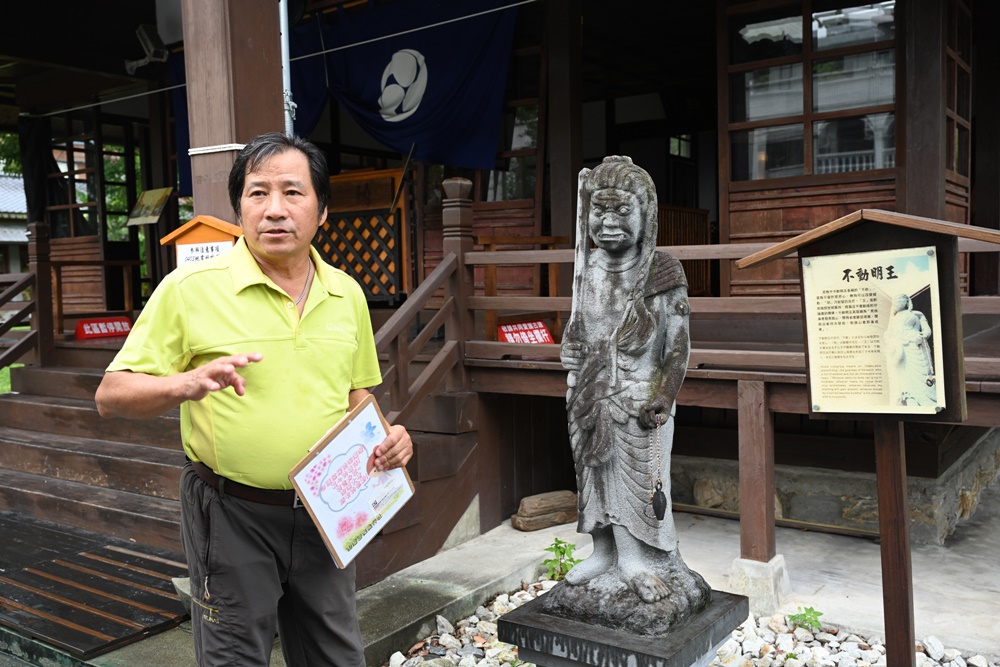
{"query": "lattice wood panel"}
(366, 245)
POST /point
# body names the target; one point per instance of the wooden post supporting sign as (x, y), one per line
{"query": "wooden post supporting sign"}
(894, 530)
(883, 339)
(756, 435)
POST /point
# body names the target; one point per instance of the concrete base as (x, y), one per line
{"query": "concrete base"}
(550, 641)
(766, 584)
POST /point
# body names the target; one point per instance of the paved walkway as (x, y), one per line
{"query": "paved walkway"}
(957, 587)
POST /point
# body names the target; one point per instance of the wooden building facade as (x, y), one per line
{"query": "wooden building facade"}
(757, 119)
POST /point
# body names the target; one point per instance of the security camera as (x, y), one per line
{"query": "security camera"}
(152, 45)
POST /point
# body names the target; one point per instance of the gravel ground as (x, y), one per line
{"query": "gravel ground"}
(770, 641)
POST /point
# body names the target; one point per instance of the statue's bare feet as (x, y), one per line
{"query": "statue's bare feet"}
(588, 569)
(648, 586)
(599, 562)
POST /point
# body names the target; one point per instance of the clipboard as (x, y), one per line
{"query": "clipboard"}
(347, 499)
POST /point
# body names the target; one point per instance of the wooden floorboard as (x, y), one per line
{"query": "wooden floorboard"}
(82, 592)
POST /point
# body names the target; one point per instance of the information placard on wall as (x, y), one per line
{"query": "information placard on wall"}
(870, 319)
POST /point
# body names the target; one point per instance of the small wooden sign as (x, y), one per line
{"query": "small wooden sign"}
(534, 331)
(350, 501)
(102, 327)
(196, 252)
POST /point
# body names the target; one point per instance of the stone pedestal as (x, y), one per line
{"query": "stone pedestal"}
(766, 584)
(550, 641)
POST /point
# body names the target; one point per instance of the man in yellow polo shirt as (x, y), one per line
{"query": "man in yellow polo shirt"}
(263, 349)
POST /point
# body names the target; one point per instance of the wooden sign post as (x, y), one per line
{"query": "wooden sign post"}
(883, 340)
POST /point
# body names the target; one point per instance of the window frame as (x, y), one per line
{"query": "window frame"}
(807, 58)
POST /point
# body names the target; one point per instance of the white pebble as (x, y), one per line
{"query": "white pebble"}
(803, 635)
(851, 649)
(396, 659)
(730, 648)
(820, 652)
(753, 646)
(444, 625)
(977, 661)
(777, 623)
(934, 648)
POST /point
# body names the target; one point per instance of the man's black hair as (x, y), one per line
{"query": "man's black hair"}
(268, 145)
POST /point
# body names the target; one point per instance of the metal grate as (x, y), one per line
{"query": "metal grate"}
(365, 244)
(62, 586)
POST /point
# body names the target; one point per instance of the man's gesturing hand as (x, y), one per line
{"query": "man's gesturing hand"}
(219, 374)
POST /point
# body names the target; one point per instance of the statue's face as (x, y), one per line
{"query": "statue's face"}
(615, 222)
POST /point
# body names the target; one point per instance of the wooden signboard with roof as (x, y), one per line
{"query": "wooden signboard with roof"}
(202, 237)
(883, 340)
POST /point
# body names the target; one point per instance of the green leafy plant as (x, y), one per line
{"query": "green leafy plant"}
(790, 656)
(807, 618)
(562, 560)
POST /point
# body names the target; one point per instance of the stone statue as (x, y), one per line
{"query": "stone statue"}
(910, 360)
(626, 348)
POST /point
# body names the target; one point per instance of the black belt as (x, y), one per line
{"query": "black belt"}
(227, 486)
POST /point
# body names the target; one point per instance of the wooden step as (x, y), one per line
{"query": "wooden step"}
(62, 381)
(92, 353)
(78, 417)
(151, 471)
(130, 516)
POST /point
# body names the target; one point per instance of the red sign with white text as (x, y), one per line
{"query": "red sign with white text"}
(102, 327)
(524, 332)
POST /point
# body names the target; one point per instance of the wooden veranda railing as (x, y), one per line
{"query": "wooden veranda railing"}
(127, 267)
(755, 377)
(17, 314)
(43, 312)
(392, 339)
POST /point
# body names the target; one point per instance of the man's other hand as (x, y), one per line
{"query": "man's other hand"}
(395, 451)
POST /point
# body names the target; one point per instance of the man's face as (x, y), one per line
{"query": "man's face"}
(615, 222)
(279, 208)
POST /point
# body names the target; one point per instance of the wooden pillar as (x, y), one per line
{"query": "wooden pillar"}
(756, 466)
(232, 54)
(39, 263)
(565, 116)
(894, 531)
(456, 219)
(986, 143)
(920, 186)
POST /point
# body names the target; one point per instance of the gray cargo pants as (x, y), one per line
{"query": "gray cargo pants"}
(255, 568)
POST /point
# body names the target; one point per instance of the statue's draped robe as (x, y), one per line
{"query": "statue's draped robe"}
(615, 466)
(910, 361)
